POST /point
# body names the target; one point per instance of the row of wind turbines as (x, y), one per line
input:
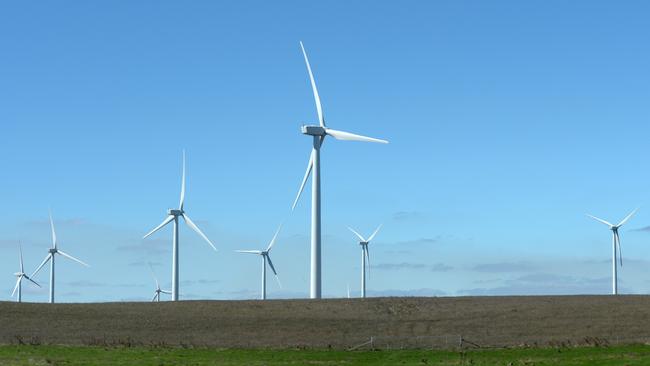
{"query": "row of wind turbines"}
(318, 133)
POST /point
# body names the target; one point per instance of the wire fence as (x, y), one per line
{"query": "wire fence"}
(414, 342)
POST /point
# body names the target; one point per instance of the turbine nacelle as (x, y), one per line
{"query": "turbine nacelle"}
(173, 212)
(313, 130)
(53, 250)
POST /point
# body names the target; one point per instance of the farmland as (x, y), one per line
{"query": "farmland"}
(336, 323)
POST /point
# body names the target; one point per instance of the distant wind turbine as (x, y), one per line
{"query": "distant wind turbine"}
(51, 256)
(172, 215)
(156, 295)
(319, 132)
(265, 259)
(20, 276)
(365, 256)
(616, 242)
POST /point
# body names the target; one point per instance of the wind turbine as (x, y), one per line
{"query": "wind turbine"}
(156, 295)
(365, 257)
(265, 259)
(20, 275)
(173, 215)
(51, 256)
(616, 242)
(318, 133)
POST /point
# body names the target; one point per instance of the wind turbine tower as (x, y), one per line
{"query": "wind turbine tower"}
(365, 256)
(616, 243)
(173, 215)
(318, 134)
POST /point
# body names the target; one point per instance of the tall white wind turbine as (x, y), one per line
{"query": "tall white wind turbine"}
(156, 294)
(20, 276)
(616, 243)
(51, 256)
(318, 133)
(173, 215)
(265, 259)
(365, 256)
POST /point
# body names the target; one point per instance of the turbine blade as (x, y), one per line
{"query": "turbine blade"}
(368, 258)
(192, 225)
(180, 205)
(166, 292)
(153, 299)
(304, 180)
(375, 233)
(73, 258)
(357, 234)
(153, 275)
(275, 236)
(165, 222)
(627, 217)
(271, 265)
(20, 278)
(601, 220)
(53, 232)
(47, 258)
(249, 251)
(620, 255)
(32, 281)
(342, 135)
(319, 107)
(20, 252)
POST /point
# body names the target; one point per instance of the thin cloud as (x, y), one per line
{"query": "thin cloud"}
(544, 284)
(438, 267)
(504, 267)
(420, 241)
(403, 216)
(147, 247)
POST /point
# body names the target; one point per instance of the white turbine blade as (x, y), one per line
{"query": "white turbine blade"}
(153, 275)
(166, 292)
(601, 220)
(165, 222)
(627, 217)
(47, 258)
(182, 202)
(271, 265)
(20, 278)
(618, 243)
(20, 252)
(153, 299)
(53, 232)
(319, 107)
(275, 236)
(249, 251)
(357, 234)
(192, 225)
(304, 180)
(375, 233)
(368, 259)
(342, 135)
(73, 258)
(32, 281)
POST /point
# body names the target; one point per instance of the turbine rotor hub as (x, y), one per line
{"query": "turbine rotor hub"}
(52, 250)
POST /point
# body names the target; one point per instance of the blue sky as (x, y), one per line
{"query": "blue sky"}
(508, 122)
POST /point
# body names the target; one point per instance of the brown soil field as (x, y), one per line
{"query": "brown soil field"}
(337, 323)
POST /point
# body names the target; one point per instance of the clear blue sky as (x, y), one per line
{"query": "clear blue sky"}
(508, 122)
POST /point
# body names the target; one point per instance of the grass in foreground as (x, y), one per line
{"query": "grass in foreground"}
(143, 356)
